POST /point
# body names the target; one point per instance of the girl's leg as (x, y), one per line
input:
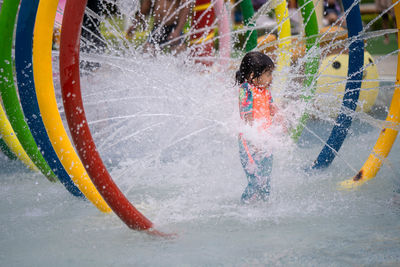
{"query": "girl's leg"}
(263, 177)
(257, 171)
(247, 162)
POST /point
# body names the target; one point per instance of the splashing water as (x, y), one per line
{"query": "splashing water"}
(167, 130)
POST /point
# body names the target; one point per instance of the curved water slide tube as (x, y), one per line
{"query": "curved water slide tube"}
(353, 85)
(312, 65)
(6, 150)
(388, 134)
(27, 93)
(8, 91)
(43, 81)
(78, 124)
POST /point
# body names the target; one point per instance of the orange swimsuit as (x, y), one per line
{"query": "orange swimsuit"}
(256, 101)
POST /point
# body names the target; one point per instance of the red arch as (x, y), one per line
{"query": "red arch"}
(77, 122)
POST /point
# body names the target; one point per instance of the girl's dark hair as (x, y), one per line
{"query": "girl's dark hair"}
(256, 63)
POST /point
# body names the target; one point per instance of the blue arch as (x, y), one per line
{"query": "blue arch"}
(27, 92)
(352, 91)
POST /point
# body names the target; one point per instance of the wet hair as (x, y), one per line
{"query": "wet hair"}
(256, 63)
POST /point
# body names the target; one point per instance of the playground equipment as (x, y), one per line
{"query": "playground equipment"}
(100, 188)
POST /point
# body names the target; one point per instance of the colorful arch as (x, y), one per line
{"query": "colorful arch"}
(388, 134)
(8, 91)
(352, 91)
(79, 128)
(27, 93)
(43, 79)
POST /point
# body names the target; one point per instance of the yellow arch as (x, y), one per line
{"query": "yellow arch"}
(388, 134)
(282, 18)
(284, 43)
(9, 137)
(42, 71)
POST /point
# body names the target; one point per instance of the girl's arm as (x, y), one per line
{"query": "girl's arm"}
(245, 105)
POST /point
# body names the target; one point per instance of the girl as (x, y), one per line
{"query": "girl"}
(256, 110)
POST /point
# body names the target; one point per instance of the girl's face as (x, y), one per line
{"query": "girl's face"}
(264, 80)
